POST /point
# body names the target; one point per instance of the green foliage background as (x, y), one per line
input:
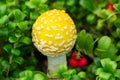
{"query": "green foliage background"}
(98, 35)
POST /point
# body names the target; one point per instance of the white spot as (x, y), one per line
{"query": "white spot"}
(48, 29)
(56, 20)
(58, 37)
(39, 32)
(75, 36)
(72, 27)
(67, 49)
(50, 42)
(51, 20)
(42, 42)
(53, 48)
(49, 35)
(42, 19)
(53, 16)
(45, 22)
(61, 43)
(62, 50)
(59, 18)
(66, 18)
(69, 40)
(66, 33)
(65, 46)
(55, 44)
(54, 27)
(38, 28)
(65, 27)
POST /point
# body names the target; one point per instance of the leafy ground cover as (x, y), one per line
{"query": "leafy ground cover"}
(95, 56)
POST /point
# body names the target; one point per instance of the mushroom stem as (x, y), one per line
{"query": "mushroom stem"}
(54, 64)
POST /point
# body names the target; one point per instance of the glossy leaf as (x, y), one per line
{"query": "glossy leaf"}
(27, 73)
(4, 20)
(38, 77)
(25, 40)
(11, 26)
(19, 60)
(7, 48)
(117, 73)
(104, 43)
(15, 51)
(87, 4)
(81, 39)
(19, 16)
(100, 72)
(12, 39)
(108, 65)
(3, 32)
(82, 75)
(23, 25)
(117, 7)
(2, 10)
(89, 43)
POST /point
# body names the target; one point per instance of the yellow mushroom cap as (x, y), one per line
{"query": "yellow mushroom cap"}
(54, 33)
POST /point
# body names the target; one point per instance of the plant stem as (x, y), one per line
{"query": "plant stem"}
(10, 62)
(54, 64)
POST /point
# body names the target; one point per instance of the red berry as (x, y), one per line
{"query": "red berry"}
(82, 62)
(110, 6)
(73, 55)
(73, 62)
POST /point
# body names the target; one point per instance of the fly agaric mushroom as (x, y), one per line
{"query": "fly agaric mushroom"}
(54, 35)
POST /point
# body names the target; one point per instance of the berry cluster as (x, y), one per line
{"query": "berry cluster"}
(74, 62)
(110, 6)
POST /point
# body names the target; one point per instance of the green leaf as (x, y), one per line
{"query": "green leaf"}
(37, 2)
(26, 73)
(112, 50)
(25, 40)
(70, 2)
(87, 4)
(3, 32)
(117, 73)
(75, 77)
(23, 25)
(18, 35)
(4, 20)
(11, 26)
(39, 77)
(81, 39)
(100, 24)
(108, 65)
(15, 51)
(30, 4)
(117, 58)
(34, 15)
(7, 48)
(105, 75)
(117, 7)
(104, 43)
(19, 60)
(82, 75)
(89, 43)
(12, 39)
(100, 72)
(91, 18)
(5, 64)
(117, 23)
(2, 10)
(19, 15)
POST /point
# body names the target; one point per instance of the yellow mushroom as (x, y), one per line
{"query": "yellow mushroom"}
(54, 35)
